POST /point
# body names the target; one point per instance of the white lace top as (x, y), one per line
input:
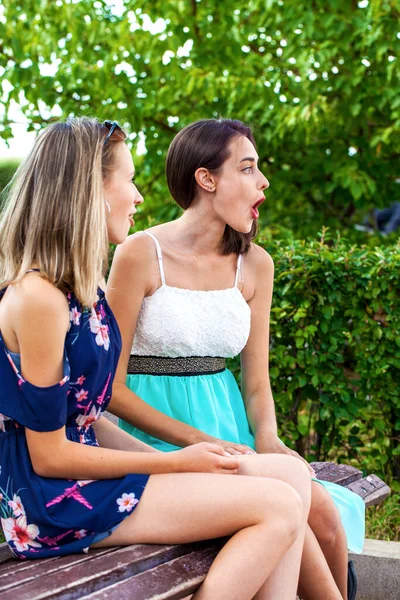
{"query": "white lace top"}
(180, 322)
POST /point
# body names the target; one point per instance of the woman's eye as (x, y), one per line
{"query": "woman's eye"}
(247, 169)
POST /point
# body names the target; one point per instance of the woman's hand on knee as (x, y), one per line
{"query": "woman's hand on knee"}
(274, 446)
(232, 448)
(204, 458)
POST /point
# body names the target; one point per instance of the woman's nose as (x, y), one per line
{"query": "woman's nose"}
(264, 183)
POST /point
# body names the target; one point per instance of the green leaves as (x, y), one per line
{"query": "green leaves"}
(319, 85)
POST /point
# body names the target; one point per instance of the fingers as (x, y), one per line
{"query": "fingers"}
(238, 449)
(309, 467)
(232, 450)
(248, 450)
(313, 473)
(228, 464)
(216, 449)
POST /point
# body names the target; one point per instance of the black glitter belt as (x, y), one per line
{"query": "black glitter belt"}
(164, 365)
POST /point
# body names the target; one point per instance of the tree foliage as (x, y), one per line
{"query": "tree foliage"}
(318, 80)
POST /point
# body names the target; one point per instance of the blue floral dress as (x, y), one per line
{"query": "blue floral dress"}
(42, 516)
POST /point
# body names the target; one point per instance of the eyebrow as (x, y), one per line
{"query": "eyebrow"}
(249, 158)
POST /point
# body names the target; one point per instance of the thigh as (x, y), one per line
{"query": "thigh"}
(185, 507)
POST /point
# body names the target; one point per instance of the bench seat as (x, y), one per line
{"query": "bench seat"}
(143, 571)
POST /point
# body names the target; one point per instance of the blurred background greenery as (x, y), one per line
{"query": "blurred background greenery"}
(319, 83)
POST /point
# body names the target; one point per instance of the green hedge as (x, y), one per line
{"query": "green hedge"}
(335, 351)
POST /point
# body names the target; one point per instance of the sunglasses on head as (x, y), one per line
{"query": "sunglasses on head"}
(111, 126)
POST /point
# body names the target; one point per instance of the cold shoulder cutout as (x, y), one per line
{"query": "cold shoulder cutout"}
(43, 516)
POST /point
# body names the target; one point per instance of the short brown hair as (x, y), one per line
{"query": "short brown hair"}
(205, 144)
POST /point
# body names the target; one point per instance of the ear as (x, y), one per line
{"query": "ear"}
(205, 180)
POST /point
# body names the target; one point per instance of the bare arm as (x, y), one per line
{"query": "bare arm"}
(110, 435)
(134, 274)
(40, 321)
(256, 386)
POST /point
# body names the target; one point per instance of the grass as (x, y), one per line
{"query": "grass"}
(383, 521)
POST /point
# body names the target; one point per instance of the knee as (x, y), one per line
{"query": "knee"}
(287, 511)
(325, 519)
(300, 479)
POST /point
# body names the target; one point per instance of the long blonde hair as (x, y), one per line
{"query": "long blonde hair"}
(55, 214)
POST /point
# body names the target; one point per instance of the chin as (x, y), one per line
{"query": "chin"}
(117, 238)
(244, 229)
(241, 227)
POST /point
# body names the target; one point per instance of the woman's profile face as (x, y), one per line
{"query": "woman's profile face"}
(239, 186)
(122, 195)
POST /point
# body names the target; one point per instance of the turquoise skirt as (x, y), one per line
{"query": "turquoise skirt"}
(213, 404)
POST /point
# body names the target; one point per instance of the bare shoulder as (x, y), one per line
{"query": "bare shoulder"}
(134, 266)
(36, 299)
(259, 260)
(138, 248)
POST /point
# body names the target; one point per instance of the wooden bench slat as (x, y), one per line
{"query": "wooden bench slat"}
(76, 580)
(371, 489)
(21, 572)
(341, 474)
(5, 553)
(173, 580)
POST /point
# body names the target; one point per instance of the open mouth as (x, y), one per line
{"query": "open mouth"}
(131, 221)
(254, 209)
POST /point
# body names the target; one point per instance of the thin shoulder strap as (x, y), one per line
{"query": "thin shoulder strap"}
(159, 255)
(238, 269)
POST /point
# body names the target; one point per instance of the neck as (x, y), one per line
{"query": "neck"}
(200, 232)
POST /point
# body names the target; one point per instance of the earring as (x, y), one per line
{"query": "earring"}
(108, 206)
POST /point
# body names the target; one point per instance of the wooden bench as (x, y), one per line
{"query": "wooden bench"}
(143, 571)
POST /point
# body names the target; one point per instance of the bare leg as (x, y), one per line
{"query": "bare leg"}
(262, 515)
(283, 582)
(324, 520)
(316, 580)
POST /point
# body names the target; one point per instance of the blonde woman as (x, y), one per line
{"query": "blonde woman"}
(70, 479)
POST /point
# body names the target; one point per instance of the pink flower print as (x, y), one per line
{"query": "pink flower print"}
(53, 541)
(74, 316)
(80, 380)
(101, 331)
(64, 380)
(86, 420)
(100, 399)
(21, 534)
(74, 493)
(3, 419)
(127, 502)
(81, 395)
(80, 534)
(17, 506)
(10, 360)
